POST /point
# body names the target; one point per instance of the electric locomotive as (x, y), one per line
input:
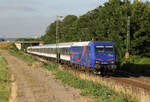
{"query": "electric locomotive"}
(96, 55)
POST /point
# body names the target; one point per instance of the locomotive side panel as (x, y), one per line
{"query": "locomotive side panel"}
(81, 55)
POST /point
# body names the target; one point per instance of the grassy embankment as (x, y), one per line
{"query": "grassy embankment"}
(97, 91)
(137, 65)
(24, 56)
(4, 80)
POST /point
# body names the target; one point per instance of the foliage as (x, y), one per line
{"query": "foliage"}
(108, 23)
(64, 27)
(4, 80)
(140, 20)
(49, 37)
(51, 66)
(10, 46)
(137, 65)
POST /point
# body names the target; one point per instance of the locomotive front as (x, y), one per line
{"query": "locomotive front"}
(105, 55)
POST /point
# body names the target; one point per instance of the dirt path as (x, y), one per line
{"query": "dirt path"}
(39, 85)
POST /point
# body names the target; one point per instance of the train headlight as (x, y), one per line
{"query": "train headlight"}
(112, 61)
(97, 62)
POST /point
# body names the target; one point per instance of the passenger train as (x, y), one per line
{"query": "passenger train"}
(90, 54)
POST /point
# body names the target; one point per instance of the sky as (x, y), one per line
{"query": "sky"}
(29, 18)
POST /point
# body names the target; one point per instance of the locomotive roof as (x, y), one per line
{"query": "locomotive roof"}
(103, 42)
(85, 43)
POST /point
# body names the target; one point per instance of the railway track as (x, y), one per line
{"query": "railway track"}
(121, 76)
(133, 79)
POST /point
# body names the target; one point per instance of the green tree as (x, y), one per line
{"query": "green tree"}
(140, 28)
(50, 36)
(65, 26)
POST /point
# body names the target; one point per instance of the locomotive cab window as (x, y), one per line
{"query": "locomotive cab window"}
(108, 48)
(99, 49)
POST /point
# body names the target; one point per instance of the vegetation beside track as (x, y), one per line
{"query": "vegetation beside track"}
(5, 45)
(5, 87)
(23, 56)
(137, 65)
(15, 52)
(99, 92)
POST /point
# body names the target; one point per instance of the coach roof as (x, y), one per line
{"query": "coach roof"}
(60, 45)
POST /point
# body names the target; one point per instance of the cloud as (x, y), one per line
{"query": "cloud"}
(16, 7)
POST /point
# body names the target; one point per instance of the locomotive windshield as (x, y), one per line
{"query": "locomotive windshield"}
(101, 49)
(108, 48)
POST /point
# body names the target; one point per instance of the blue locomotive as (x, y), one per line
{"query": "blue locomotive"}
(94, 55)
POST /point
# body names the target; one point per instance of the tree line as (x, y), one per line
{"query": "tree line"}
(108, 23)
(28, 39)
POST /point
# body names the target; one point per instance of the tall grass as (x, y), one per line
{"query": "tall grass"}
(4, 80)
(95, 90)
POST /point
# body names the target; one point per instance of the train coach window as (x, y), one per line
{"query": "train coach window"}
(108, 48)
(42, 49)
(49, 50)
(33, 49)
(99, 49)
(64, 51)
(52, 50)
(67, 51)
(46, 50)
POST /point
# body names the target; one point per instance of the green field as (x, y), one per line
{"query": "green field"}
(4, 80)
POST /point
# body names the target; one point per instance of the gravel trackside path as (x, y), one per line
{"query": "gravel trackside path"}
(38, 84)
